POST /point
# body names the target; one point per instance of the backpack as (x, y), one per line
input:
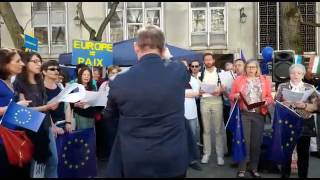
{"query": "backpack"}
(202, 75)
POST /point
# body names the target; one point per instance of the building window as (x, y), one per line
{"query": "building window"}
(208, 24)
(49, 25)
(308, 33)
(131, 16)
(270, 28)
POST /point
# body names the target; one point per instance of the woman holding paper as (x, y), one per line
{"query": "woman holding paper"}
(304, 109)
(50, 71)
(10, 65)
(29, 85)
(84, 117)
(254, 87)
(107, 128)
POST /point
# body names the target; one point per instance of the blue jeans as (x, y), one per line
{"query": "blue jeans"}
(52, 163)
(193, 123)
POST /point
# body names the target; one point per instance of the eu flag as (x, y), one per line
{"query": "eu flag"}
(235, 126)
(23, 117)
(287, 128)
(77, 154)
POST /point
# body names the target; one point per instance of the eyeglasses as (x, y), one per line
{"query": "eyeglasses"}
(252, 67)
(36, 61)
(196, 66)
(54, 69)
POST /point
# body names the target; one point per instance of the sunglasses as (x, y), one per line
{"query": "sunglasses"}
(54, 69)
(196, 66)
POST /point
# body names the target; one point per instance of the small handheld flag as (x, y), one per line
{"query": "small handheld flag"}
(23, 117)
(235, 126)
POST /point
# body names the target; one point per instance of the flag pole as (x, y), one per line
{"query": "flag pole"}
(235, 104)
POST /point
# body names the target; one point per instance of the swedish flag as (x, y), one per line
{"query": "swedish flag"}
(235, 126)
(287, 128)
(77, 154)
(23, 117)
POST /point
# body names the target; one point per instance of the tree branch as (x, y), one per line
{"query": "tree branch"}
(84, 22)
(15, 30)
(307, 23)
(106, 20)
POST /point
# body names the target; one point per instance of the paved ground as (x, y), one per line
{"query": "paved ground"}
(212, 170)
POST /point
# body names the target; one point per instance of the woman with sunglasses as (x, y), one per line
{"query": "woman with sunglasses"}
(50, 71)
(29, 85)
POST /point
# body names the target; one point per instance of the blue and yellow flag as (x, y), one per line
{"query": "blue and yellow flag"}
(287, 128)
(235, 126)
(23, 117)
(77, 154)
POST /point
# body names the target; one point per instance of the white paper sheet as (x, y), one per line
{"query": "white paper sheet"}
(289, 95)
(93, 98)
(226, 78)
(208, 88)
(66, 96)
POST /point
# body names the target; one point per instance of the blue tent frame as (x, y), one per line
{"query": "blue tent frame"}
(124, 55)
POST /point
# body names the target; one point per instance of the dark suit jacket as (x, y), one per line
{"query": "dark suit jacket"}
(151, 139)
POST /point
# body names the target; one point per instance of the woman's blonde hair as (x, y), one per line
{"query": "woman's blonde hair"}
(253, 61)
(111, 68)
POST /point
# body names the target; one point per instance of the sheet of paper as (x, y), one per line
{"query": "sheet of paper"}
(93, 98)
(289, 95)
(66, 94)
(307, 94)
(208, 88)
(226, 78)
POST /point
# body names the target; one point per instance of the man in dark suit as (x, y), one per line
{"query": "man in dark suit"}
(151, 139)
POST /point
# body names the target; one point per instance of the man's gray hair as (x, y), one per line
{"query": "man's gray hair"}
(298, 66)
(151, 36)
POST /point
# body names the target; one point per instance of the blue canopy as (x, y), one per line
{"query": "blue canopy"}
(124, 55)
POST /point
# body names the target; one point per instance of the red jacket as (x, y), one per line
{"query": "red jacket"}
(239, 84)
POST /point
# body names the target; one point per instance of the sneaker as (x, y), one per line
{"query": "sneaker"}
(220, 161)
(205, 159)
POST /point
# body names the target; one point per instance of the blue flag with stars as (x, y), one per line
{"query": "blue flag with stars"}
(235, 126)
(23, 117)
(77, 154)
(287, 128)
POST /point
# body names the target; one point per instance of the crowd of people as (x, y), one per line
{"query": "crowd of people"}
(30, 82)
(158, 121)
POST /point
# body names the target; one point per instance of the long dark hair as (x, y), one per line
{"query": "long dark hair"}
(90, 85)
(6, 56)
(23, 77)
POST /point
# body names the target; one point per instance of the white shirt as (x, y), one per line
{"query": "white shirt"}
(210, 78)
(297, 88)
(190, 106)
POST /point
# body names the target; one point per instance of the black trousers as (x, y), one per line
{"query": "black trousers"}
(101, 139)
(226, 111)
(303, 146)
